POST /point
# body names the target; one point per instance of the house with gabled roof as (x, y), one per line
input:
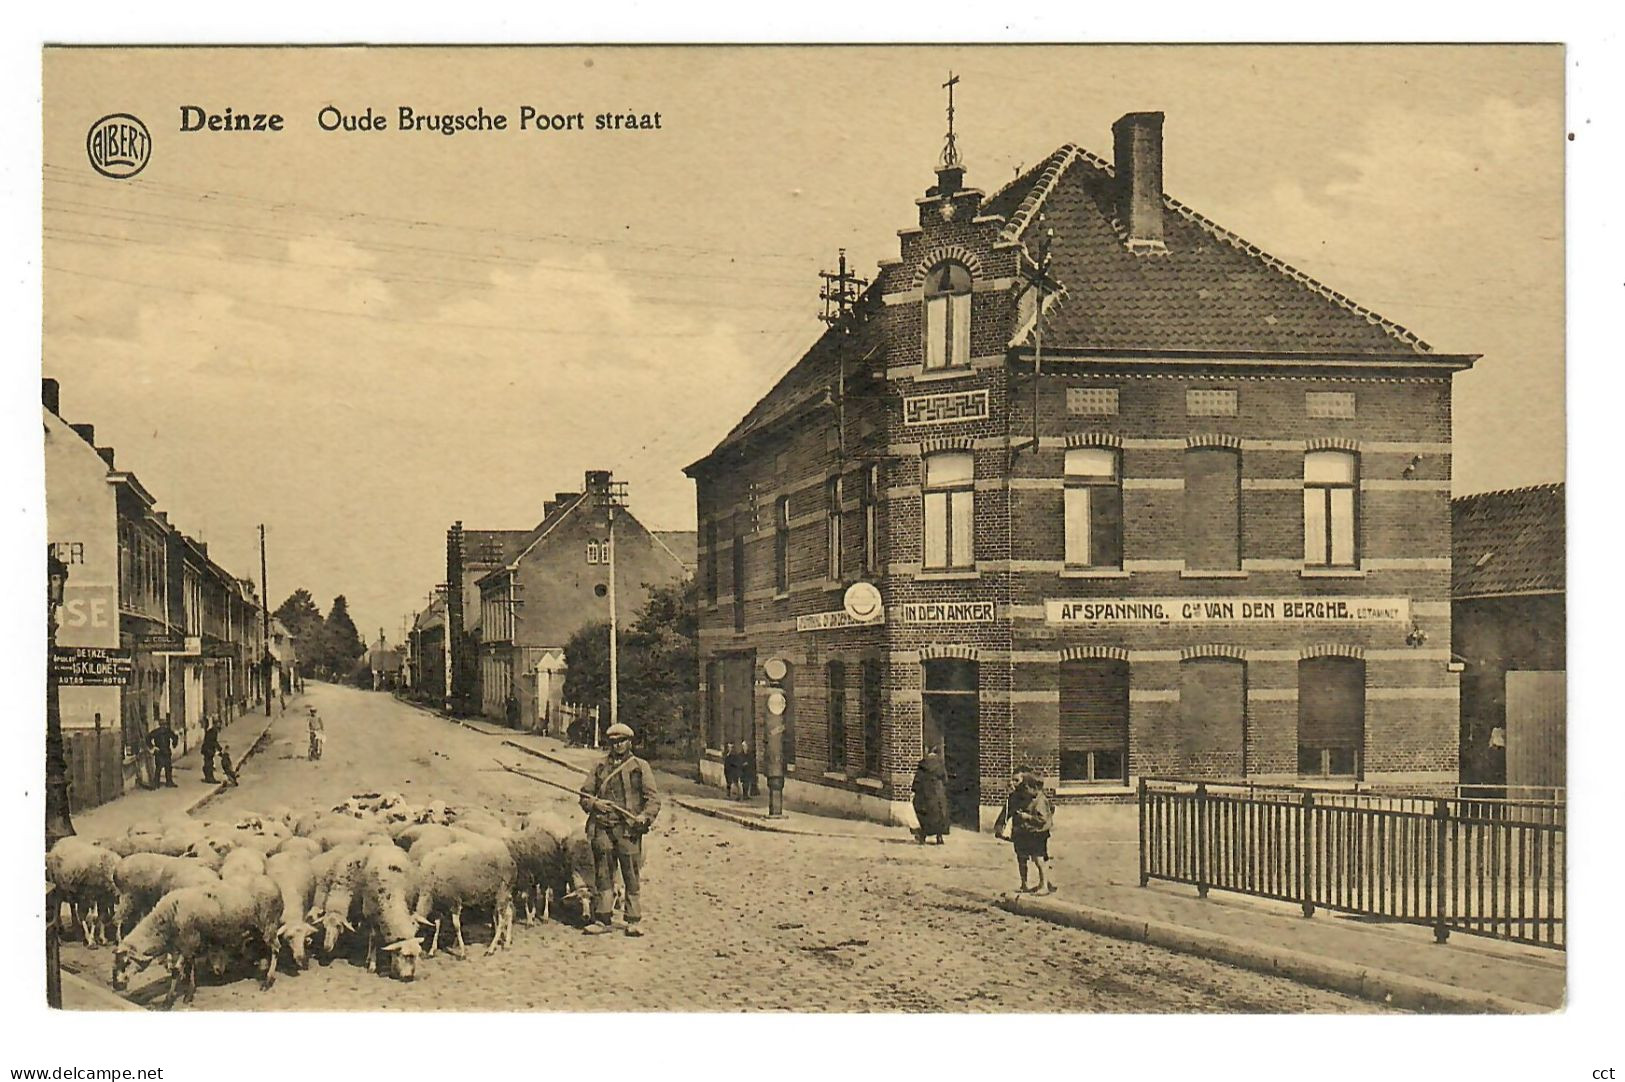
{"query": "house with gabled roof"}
(554, 584)
(1138, 499)
(1508, 630)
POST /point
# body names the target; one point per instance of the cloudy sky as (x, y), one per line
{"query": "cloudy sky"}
(358, 337)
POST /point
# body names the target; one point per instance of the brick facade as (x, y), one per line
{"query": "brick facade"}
(1202, 441)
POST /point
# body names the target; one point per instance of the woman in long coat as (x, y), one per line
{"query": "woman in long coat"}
(931, 797)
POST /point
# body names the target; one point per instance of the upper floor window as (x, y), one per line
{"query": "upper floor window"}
(947, 317)
(1212, 509)
(1094, 508)
(781, 545)
(711, 561)
(739, 581)
(871, 524)
(1330, 509)
(949, 510)
(595, 552)
(832, 524)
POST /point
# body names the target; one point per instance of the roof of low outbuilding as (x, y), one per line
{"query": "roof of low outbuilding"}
(1508, 542)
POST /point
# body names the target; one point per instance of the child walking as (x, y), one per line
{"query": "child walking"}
(1028, 813)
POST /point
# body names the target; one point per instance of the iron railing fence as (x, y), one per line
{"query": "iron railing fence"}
(1490, 867)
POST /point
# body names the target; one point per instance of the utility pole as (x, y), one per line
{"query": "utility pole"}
(1038, 278)
(612, 496)
(840, 294)
(265, 620)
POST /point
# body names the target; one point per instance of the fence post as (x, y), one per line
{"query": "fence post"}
(1441, 816)
(1201, 839)
(1144, 875)
(1304, 828)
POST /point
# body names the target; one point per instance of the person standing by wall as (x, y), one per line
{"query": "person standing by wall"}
(931, 797)
(211, 746)
(163, 740)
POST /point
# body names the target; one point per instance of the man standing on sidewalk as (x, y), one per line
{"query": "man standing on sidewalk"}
(621, 803)
(162, 740)
(211, 746)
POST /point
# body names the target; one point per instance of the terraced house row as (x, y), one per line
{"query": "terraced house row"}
(1189, 514)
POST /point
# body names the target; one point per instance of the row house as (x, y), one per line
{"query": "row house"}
(138, 585)
(1139, 499)
(556, 584)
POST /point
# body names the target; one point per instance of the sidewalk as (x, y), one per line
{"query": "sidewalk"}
(1096, 861)
(245, 735)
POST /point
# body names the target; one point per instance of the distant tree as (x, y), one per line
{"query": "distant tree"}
(659, 669)
(303, 620)
(341, 643)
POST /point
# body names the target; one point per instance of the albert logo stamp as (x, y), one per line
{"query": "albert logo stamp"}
(119, 146)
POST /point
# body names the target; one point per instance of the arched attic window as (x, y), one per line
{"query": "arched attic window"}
(947, 316)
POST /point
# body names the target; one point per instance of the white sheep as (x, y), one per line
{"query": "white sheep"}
(335, 907)
(242, 861)
(143, 878)
(468, 873)
(294, 876)
(388, 895)
(83, 873)
(192, 921)
(554, 864)
(308, 848)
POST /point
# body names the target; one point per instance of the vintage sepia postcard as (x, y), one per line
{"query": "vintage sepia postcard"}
(822, 529)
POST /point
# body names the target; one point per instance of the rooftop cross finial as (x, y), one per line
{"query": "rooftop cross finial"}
(950, 149)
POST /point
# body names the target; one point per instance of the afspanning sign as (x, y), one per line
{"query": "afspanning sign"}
(1317, 611)
(825, 621)
(945, 612)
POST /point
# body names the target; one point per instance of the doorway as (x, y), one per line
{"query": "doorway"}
(952, 718)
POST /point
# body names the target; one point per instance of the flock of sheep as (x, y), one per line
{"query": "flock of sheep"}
(373, 867)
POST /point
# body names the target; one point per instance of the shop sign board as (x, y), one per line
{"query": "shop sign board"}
(945, 612)
(86, 666)
(825, 621)
(1304, 611)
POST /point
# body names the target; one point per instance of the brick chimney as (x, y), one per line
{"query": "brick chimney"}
(597, 481)
(86, 433)
(1137, 146)
(107, 456)
(51, 395)
(562, 498)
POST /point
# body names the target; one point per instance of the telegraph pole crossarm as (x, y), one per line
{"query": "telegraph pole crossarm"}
(1037, 277)
(840, 294)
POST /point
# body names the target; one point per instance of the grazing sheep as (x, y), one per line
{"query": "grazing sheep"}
(468, 873)
(388, 895)
(332, 836)
(211, 849)
(83, 873)
(294, 876)
(242, 861)
(338, 892)
(143, 878)
(192, 921)
(308, 848)
(425, 838)
(565, 873)
(484, 824)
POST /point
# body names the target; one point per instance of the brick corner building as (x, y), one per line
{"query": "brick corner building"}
(1178, 510)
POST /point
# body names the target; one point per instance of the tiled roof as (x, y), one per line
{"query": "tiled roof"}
(812, 377)
(1508, 542)
(1210, 291)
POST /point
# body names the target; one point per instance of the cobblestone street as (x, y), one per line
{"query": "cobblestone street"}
(738, 920)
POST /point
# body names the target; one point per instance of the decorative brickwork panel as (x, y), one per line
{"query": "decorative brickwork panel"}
(942, 409)
(1334, 404)
(1092, 401)
(1206, 402)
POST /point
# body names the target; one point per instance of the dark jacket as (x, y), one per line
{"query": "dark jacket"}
(162, 742)
(211, 740)
(631, 785)
(931, 795)
(1028, 811)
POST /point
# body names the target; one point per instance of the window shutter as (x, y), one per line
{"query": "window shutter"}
(1212, 509)
(1094, 705)
(1212, 714)
(1331, 702)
